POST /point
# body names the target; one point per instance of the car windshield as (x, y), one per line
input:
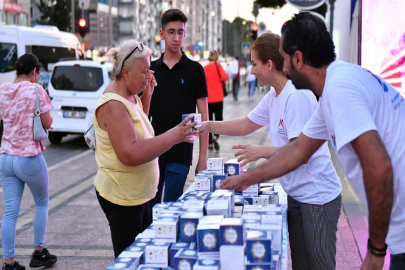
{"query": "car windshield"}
(8, 56)
(77, 78)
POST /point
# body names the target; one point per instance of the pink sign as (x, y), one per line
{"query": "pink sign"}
(383, 40)
(12, 7)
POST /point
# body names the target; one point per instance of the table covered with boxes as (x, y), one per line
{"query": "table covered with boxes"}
(213, 229)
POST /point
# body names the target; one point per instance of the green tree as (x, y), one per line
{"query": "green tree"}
(57, 13)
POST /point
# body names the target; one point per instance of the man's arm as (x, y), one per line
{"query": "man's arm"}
(237, 127)
(287, 159)
(202, 107)
(378, 183)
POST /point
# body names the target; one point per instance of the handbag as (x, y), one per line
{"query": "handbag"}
(223, 83)
(40, 133)
(90, 134)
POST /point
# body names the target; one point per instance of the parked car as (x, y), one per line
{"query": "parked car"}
(75, 87)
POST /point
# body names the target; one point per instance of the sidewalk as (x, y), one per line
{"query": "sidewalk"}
(78, 231)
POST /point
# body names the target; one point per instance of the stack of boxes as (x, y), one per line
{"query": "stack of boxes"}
(211, 229)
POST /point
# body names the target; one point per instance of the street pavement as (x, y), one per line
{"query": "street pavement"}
(78, 231)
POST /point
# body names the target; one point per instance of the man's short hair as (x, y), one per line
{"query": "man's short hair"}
(308, 34)
(172, 15)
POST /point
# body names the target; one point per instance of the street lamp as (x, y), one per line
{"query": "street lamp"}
(243, 22)
(213, 13)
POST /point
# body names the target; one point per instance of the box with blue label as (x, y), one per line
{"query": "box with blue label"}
(217, 179)
(175, 247)
(147, 267)
(276, 230)
(148, 233)
(195, 119)
(259, 246)
(232, 231)
(185, 259)
(188, 226)
(166, 229)
(143, 241)
(232, 167)
(206, 264)
(258, 266)
(124, 263)
(157, 254)
(208, 239)
(168, 214)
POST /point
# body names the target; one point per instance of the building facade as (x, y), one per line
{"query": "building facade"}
(13, 12)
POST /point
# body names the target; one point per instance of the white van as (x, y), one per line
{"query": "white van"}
(47, 43)
(75, 87)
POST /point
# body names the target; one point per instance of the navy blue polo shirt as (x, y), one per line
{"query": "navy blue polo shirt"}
(176, 94)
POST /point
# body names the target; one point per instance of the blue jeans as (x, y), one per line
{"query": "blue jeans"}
(15, 172)
(397, 262)
(173, 176)
(251, 89)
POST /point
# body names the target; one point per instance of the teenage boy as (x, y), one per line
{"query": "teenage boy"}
(181, 88)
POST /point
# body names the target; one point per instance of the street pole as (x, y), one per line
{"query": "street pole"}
(110, 22)
(73, 17)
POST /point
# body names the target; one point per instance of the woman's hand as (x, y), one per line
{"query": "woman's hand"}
(183, 132)
(150, 86)
(202, 129)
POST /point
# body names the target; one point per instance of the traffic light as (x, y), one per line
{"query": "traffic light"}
(82, 27)
(254, 27)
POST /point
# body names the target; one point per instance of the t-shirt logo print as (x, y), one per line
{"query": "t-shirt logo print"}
(280, 129)
(333, 140)
(182, 81)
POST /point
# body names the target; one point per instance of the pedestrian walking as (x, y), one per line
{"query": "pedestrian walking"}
(363, 117)
(216, 76)
(21, 160)
(251, 81)
(313, 189)
(127, 149)
(234, 69)
(181, 89)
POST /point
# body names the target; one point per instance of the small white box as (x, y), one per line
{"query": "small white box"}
(252, 216)
(252, 208)
(272, 219)
(157, 209)
(213, 219)
(193, 204)
(261, 200)
(273, 197)
(166, 229)
(251, 190)
(157, 255)
(251, 224)
(215, 164)
(271, 208)
(218, 207)
(124, 263)
(148, 233)
(202, 183)
(276, 230)
(232, 257)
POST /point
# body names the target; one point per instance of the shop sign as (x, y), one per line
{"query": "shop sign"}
(12, 7)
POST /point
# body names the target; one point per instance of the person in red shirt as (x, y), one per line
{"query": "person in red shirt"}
(215, 75)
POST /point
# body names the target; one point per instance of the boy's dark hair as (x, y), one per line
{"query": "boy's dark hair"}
(308, 34)
(26, 63)
(172, 15)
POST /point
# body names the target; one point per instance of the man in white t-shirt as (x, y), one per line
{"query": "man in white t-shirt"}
(363, 117)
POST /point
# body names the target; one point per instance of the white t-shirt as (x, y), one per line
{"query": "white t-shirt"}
(250, 76)
(353, 102)
(315, 182)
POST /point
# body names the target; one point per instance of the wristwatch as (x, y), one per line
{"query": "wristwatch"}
(379, 252)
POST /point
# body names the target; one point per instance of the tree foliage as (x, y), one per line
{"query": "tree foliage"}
(271, 3)
(57, 13)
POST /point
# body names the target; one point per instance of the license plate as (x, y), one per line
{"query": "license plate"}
(74, 114)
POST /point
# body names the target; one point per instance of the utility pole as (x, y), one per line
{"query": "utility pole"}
(73, 16)
(332, 11)
(110, 39)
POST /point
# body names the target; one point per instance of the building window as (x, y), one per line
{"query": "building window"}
(13, 18)
(23, 19)
(3, 17)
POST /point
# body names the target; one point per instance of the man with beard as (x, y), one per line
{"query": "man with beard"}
(363, 117)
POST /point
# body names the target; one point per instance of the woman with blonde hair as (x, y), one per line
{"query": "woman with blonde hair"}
(127, 150)
(313, 189)
(215, 75)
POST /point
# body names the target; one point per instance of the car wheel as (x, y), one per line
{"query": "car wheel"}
(55, 137)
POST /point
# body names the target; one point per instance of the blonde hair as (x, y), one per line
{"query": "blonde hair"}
(116, 56)
(213, 56)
